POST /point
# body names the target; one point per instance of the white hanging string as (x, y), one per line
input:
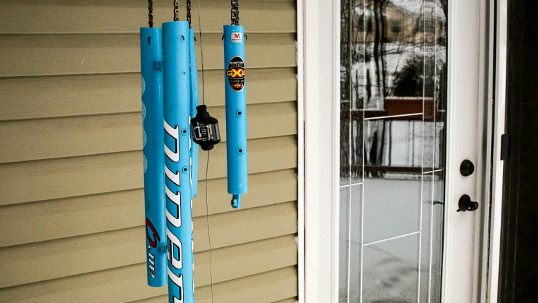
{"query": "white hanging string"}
(207, 163)
(202, 52)
(208, 233)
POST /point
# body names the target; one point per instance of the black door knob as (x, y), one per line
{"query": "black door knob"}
(465, 204)
(466, 168)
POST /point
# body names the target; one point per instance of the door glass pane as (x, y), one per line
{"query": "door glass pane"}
(392, 151)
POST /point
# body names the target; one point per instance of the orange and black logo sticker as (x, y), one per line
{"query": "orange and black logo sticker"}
(236, 73)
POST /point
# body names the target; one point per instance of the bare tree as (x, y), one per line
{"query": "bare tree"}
(380, 38)
(382, 6)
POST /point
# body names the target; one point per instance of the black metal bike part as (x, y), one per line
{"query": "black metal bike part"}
(205, 129)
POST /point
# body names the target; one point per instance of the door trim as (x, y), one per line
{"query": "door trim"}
(461, 236)
(300, 155)
(320, 27)
(494, 79)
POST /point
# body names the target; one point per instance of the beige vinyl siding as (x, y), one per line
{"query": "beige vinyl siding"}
(71, 183)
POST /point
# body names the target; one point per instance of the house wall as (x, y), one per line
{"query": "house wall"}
(71, 197)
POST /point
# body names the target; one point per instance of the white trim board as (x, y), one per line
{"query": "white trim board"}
(301, 154)
(497, 117)
(320, 93)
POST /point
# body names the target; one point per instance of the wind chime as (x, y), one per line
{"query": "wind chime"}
(174, 126)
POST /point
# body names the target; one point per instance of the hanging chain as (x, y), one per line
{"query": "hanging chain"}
(176, 10)
(150, 13)
(189, 12)
(235, 12)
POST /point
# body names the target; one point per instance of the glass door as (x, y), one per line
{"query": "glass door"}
(393, 109)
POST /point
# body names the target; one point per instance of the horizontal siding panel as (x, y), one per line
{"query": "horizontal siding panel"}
(60, 96)
(264, 189)
(234, 228)
(61, 178)
(244, 260)
(129, 284)
(269, 287)
(231, 228)
(62, 218)
(57, 259)
(79, 136)
(274, 287)
(127, 16)
(38, 55)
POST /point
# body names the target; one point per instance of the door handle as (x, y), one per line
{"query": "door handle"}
(465, 204)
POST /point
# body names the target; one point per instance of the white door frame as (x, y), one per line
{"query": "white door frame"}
(461, 236)
(496, 43)
(319, 88)
(318, 60)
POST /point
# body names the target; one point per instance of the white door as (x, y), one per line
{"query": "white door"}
(407, 116)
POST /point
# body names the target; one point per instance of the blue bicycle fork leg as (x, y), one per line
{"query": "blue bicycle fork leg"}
(153, 140)
(177, 100)
(236, 112)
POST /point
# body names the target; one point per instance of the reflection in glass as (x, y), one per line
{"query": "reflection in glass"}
(344, 242)
(350, 243)
(391, 208)
(392, 149)
(355, 249)
(391, 271)
(431, 237)
(345, 143)
(357, 142)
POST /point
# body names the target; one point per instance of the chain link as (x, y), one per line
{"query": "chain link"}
(235, 12)
(150, 13)
(176, 10)
(189, 12)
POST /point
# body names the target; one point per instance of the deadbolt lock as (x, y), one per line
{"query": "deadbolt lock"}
(466, 168)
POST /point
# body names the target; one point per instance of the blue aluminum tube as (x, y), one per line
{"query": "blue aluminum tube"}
(177, 101)
(195, 149)
(236, 112)
(153, 138)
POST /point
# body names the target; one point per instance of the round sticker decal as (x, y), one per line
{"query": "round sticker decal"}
(236, 73)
